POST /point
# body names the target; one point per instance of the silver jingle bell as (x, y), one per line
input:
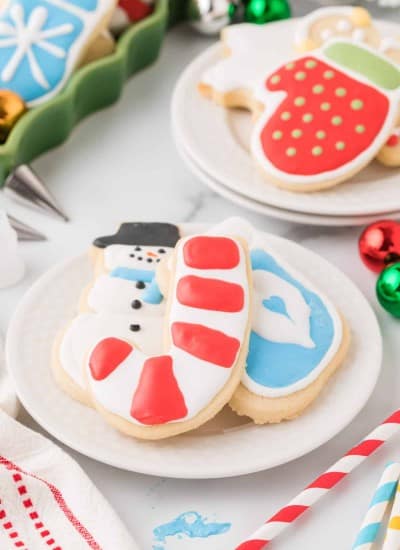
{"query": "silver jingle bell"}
(208, 16)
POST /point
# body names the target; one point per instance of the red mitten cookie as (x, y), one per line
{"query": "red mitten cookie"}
(338, 109)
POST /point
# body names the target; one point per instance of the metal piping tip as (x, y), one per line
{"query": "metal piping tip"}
(25, 185)
(25, 232)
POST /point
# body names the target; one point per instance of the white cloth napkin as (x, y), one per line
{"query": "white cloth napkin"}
(47, 501)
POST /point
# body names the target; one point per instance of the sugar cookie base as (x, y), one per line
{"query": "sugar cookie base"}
(266, 410)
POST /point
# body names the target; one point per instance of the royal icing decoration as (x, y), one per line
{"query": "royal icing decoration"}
(340, 20)
(207, 325)
(125, 301)
(42, 41)
(244, 67)
(296, 331)
(128, 12)
(329, 114)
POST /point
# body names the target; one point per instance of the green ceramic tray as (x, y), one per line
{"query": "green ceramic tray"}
(93, 87)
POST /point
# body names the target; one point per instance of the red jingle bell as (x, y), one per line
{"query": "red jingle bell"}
(379, 244)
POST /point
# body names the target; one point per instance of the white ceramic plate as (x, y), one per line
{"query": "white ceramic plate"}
(50, 303)
(280, 213)
(217, 140)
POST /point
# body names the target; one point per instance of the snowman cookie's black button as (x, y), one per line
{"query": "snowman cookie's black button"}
(136, 304)
(140, 285)
(134, 328)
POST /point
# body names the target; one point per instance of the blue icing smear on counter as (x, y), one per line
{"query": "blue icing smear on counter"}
(189, 524)
(277, 364)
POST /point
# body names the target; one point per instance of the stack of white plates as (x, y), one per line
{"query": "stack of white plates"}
(214, 142)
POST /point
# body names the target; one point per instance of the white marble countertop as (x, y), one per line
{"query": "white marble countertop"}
(121, 164)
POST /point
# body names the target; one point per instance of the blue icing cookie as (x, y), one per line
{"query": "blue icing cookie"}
(293, 330)
(41, 43)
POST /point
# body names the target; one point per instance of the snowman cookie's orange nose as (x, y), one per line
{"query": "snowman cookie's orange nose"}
(151, 254)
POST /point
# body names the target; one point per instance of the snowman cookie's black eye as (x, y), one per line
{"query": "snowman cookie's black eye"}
(137, 248)
(161, 251)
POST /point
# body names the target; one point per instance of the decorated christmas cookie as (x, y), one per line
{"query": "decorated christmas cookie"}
(128, 12)
(43, 41)
(322, 117)
(207, 317)
(298, 338)
(322, 25)
(123, 301)
(389, 155)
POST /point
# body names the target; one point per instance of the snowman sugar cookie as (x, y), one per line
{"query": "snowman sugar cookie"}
(153, 394)
(43, 41)
(298, 337)
(321, 25)
(123, 301)
(321, 117)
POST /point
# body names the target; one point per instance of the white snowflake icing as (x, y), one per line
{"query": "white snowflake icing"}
(25, 35)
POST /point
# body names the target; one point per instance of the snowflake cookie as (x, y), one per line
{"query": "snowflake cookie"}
(43, 41)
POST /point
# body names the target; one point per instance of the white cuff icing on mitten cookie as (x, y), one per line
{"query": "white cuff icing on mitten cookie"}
(43, 41)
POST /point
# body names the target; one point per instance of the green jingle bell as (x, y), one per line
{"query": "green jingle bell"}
(388, 289)
(259, 11)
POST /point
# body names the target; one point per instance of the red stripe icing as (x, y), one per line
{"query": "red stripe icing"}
(327, 480)
(210, 294)
(211, 253)
(205, 343)
(158, 399)
(107, 356)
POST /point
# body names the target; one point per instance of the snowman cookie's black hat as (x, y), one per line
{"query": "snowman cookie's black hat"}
(142, 233)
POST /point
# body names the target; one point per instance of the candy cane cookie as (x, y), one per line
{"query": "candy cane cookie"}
(206, 342)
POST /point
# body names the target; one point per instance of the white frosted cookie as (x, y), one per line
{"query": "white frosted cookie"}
(298, 337)
(324, 24)
(321, 117)
(43, 41)
(123, 300)
(153, 396)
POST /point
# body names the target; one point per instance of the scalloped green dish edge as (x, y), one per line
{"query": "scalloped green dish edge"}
(90, 89)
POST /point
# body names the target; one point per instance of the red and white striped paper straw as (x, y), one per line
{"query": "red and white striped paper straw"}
(322, 485)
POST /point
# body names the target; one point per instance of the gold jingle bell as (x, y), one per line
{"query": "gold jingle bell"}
(12, 107)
